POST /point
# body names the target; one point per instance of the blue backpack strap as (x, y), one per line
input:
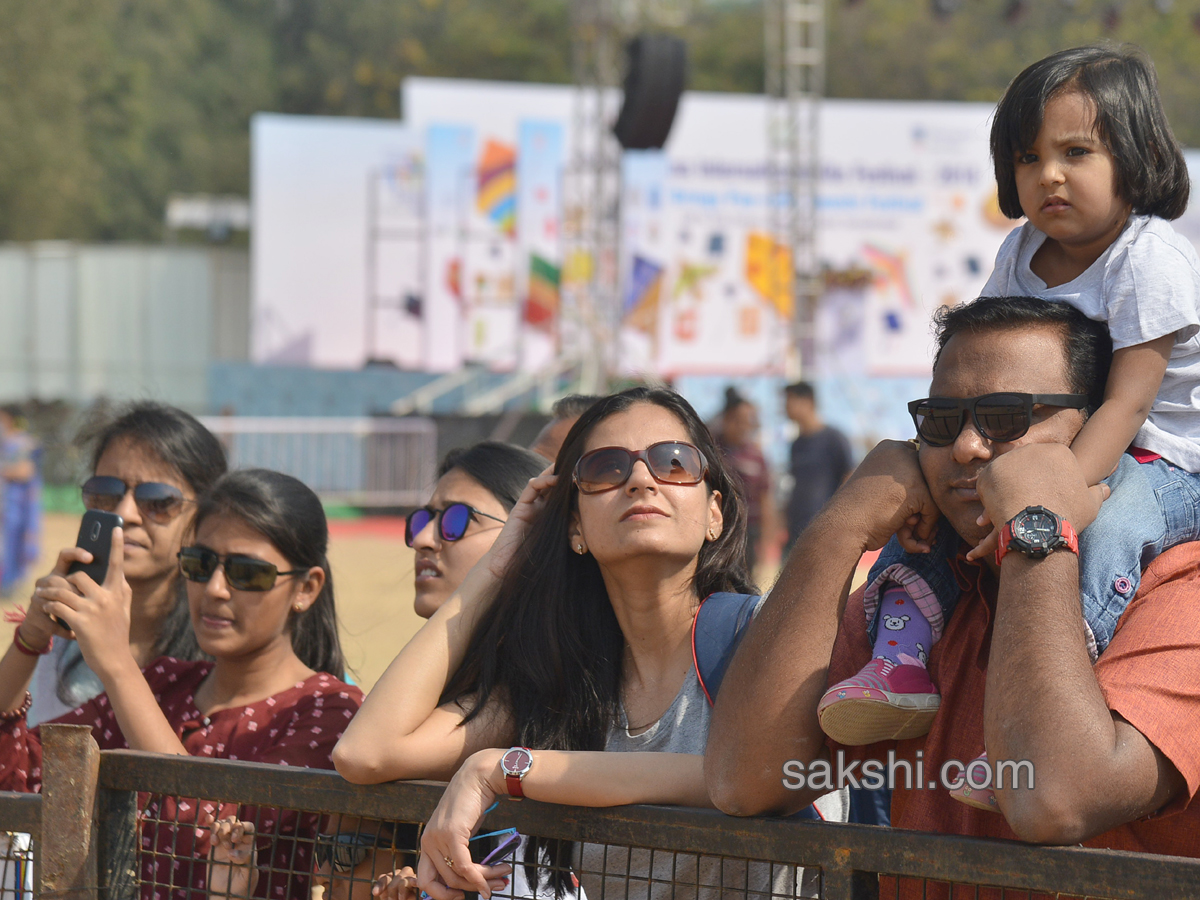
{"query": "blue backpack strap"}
(871, 807)
(717, 630)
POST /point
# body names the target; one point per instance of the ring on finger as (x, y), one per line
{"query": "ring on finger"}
(449, 862)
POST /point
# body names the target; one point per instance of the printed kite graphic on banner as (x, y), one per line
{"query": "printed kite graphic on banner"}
(496, 196)
(541, 306)
(641, 300)
(769, 271)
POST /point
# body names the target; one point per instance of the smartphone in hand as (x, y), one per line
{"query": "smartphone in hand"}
(95, 536)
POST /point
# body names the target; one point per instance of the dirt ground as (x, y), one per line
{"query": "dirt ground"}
(373, 587)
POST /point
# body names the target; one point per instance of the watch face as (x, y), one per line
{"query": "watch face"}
(1036, 528)
(516, 761)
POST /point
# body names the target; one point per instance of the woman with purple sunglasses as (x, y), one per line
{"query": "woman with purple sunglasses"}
(476, 488)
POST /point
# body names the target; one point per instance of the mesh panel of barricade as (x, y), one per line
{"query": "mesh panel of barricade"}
(195, 848)
(342, 838)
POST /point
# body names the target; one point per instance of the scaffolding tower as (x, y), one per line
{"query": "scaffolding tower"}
(794, 32)
(591, 233)
(794, 40)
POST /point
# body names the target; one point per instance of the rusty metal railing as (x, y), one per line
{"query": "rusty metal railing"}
(625, 852)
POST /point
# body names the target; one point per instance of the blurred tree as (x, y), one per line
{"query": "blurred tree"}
(108, 106)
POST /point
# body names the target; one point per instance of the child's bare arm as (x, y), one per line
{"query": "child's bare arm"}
(1133, 382)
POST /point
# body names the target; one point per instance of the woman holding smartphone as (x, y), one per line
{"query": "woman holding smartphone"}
(148, 466)
(571, 636)
(260, 598)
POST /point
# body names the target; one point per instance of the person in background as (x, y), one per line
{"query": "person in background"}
(737, 436)
(564, 414)
(353, 859)
(20, 457)
(820, 459)
(476, 488)
(148, 466)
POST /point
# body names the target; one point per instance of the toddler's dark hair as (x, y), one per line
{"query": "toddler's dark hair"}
(1151, 174)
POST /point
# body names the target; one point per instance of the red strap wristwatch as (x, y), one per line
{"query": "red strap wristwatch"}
(1036, 532)
(515, 764)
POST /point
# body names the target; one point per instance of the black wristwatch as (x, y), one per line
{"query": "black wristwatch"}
(1036, 532)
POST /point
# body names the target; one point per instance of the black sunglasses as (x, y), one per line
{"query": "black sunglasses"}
(243, 573)
(452, 521)
(669, 462)
(999, 417)
(158, 502)
(347, 850)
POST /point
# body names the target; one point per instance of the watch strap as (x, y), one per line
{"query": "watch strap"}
(514, 786)
(1006, 534)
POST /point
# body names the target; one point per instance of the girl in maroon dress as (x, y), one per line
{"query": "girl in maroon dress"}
(261, 601)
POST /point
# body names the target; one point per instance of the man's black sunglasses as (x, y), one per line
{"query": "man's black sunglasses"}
(999, 417)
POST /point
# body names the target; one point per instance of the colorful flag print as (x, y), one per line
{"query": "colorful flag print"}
(641, 300)
(769, 271)
(496, 196)
(541, 306)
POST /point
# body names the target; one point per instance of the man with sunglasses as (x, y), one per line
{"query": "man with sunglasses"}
(1109, 746)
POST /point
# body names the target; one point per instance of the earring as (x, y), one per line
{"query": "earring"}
(299, 607)
(712, 535)
(579, 549)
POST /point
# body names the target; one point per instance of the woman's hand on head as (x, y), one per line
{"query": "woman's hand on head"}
(446, 870)
(528, 507)
(97, 614)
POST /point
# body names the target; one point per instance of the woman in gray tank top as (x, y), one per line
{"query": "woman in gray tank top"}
(572, 635)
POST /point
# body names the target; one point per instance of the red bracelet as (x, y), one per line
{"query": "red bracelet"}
(28, 649)
(19, 711)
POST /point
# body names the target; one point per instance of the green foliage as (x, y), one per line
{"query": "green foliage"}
(900, 50)
(109, 106)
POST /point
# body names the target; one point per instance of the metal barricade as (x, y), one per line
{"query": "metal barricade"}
(356, 461)
(649, 853)
(317, 836)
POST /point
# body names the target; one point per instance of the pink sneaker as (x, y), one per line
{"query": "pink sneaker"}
(883, 702)
(980, 798)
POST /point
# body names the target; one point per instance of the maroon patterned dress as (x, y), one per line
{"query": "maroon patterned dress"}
(296, 727)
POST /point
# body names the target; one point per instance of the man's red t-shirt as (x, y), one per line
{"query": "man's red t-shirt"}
(1149, 674)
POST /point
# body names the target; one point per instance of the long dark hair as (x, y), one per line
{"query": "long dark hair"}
(550, 642)
(287, 513)
(178, 440)
(1151, 173)
(503, 469)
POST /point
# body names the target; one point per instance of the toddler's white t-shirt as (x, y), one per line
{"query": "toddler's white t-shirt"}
(1144, 286)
